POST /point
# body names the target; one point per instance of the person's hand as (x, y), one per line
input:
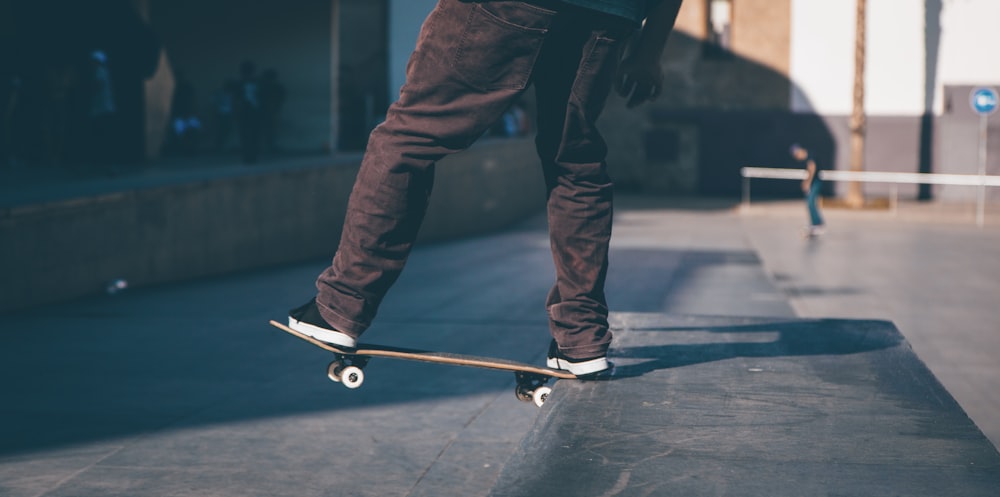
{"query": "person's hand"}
(805, 186)
(639, 80)
(640, 76)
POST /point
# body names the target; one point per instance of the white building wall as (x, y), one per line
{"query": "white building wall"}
(969, 40)
(821, 63)
(822, 53)
(896, 53)
(822, 57)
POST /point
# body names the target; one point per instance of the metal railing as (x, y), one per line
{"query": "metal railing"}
(894, 179)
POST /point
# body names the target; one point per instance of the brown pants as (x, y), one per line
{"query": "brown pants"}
(472, 61)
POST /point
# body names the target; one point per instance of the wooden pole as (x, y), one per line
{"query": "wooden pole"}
(855, 193)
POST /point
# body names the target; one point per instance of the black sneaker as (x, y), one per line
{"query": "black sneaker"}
(308, 321)
(580, 367)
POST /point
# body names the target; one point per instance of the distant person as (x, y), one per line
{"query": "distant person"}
(224, 105)
(473, 60)
(102, 109)
(272, 99)
(185, 126)
(248, 112)
(811, 186)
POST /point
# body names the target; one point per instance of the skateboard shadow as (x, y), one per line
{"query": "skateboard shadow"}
(648, 349)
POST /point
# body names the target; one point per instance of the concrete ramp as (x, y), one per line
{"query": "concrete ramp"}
(754, 407)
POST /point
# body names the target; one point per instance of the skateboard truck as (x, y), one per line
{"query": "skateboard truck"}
(531, 387)
(348, 371)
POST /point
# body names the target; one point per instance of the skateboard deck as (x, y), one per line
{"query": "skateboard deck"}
(348, 365)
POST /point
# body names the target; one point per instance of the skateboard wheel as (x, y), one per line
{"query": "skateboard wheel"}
(352, 377)
(333, 371)
(540, 395)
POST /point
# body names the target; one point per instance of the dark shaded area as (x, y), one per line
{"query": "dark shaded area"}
(157, 359)
(364, 72)
(116, 372)
(719, 114)
(730, 140)
(53, 49)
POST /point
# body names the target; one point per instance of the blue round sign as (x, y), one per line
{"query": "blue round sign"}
(983, 100)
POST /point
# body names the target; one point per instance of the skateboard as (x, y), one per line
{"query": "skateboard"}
(348, 365)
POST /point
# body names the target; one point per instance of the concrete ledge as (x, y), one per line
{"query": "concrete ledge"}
(754, 407)
(63, 249)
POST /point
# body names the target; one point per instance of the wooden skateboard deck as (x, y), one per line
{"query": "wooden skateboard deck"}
(348, 365)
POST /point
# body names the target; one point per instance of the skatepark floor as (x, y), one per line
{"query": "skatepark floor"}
(750, 362)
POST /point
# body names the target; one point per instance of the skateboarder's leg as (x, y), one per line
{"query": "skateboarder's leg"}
(466, 71)
(812, 202)
(573, 82)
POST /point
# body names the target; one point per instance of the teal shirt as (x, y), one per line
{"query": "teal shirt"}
(633, 10)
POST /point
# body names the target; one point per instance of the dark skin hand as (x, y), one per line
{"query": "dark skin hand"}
(640, 77)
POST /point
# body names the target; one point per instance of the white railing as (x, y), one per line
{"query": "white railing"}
(894, 179)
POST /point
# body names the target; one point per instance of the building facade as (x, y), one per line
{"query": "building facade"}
(748, 77)
(744, 80)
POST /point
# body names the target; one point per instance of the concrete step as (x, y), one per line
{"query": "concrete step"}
(754, 407)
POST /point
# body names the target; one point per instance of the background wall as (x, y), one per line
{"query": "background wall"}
(206, 41)
(65, 249)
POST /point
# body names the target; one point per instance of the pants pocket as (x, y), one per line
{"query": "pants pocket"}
(500, 43)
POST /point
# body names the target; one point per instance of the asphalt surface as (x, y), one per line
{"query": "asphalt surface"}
(185, 389)
(754, 407)
(929, 269)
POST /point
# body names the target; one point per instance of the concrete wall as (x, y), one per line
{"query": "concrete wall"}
(67, 249)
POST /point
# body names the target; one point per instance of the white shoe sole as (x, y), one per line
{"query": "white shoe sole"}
(579, 368)
(331, 337)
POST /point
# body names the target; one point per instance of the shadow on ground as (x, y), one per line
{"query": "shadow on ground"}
(822, 337)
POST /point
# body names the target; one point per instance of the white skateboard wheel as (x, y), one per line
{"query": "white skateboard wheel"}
(540, 395)
(333, 371)
(352, 377)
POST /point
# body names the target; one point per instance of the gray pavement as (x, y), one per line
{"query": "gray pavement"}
(184, 389)
(703, 406)
(929, 270)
